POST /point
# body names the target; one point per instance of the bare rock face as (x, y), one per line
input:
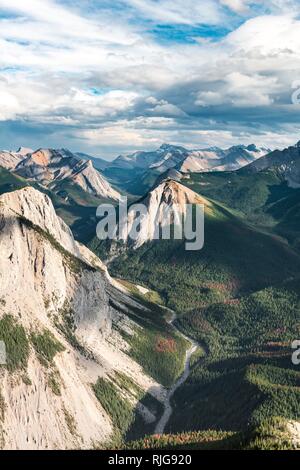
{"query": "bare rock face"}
(24, 151)
(285, 162)
(49, 282)
(167, 156)
(165, 204)
(9, 160)
(188, 161)
(51, 167)
(216, 159)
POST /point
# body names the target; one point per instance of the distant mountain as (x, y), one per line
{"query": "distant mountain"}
(137, 172)
(23, 151)
(286, 162)
(51, 167)
(10, 160)
(99, 163)
(166, 156)
(75, 187)
(265, 192)
(171, 156)
(216, 159)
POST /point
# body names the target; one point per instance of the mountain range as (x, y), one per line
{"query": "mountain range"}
(73, 326)
(137, 172)
(286, 162)
(101, 344)
(171, 156)
(52, 167)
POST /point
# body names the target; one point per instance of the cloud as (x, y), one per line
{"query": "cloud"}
(93, 78)
(240, 90)
(128, 135)
(238, 6)
(86, 102)
(267, 35)
(9, 105)
(163, 108)
(176, 11)
(49, 13)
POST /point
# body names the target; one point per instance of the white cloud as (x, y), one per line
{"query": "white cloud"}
(209, 98)
(107, 104)
(267, 35)
(239, 6)
(240, 90)
(163, 108)
(123, 134)
(52, 55)
(177, 11)
(50, 14)
(9, 107)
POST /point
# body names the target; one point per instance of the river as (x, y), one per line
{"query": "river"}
(162, 423)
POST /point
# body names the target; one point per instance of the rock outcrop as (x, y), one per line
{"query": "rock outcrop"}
(49, 282)
(165, 205)
(51, 167)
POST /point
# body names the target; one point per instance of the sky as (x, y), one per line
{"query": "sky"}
(109, 78)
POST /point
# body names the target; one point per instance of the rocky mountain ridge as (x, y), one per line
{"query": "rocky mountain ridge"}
(56, 293)
(52, 167)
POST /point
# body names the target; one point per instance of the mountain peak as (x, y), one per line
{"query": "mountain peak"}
(167, 147)
(47, 279)
(37, 207)
(286, 162)
(169, 199)
(50, 166)
(251, 148)
(174, 193)
(23, 151)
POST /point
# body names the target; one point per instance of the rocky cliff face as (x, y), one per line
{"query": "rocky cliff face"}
(216, 159)
(171, 156)
(285, 162)
(165, 204)
(10, 160)
(50, 167)
(50, 283)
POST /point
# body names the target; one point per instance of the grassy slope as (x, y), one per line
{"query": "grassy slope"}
(10, 182)
(246, 192)
(262, 198)
(77, 208)
(135, 182)
(235, 259)
(157, 347)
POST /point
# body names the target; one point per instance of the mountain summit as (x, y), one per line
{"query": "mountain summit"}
(61, 318)
(285, 162)
(50, 167)
(137, 172)
(166, 204)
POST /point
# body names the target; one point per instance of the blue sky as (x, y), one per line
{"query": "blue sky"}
(112, 77)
